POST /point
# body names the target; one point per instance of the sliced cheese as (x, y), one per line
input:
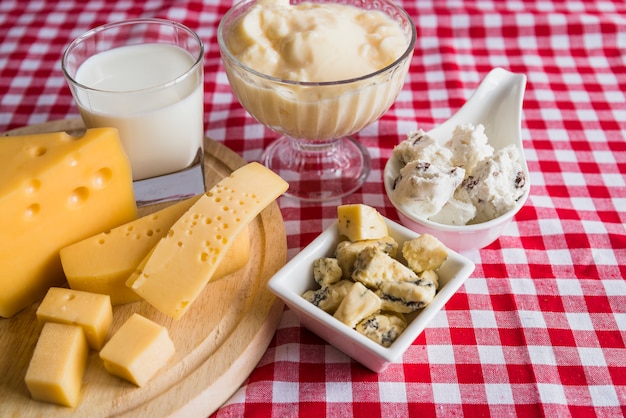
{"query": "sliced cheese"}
(359, 222)
(182, 263)
(91, 311)
(138, 350)
(55, 189)
(102, 263)
(56, 370)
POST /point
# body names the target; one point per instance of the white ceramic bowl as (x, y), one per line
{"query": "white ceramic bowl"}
(296, 277)
(496, 104)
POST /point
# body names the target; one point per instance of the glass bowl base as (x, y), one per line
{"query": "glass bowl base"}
(318, 171)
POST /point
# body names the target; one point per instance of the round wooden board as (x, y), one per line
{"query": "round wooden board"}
(218, 341)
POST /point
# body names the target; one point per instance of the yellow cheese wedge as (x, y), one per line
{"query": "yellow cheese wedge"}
(102, 263)
(183, 262)
(91, 311)
(359, 222)
(55, 189)
(55, 372)
(138, 350)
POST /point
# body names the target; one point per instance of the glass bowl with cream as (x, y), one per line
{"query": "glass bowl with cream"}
(317, 72)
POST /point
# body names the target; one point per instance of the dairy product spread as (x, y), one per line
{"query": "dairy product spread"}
(102, 263)
(56, 189)
(464, 181)
(426, 187)
(137, 350)
(200, 239)
(56, 369)
(367, 288)
(316, 43)
(90, 311)
(359, 222)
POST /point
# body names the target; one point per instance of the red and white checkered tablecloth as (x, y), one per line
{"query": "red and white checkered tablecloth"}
(539, 329)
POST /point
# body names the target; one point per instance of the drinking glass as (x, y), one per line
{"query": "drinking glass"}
(145, 78)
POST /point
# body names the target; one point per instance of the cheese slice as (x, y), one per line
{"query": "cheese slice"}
(138, 350)
(182, 263)
(359, 222)
(55, 372)
(102, 263)
(91, 311)
(55, 189)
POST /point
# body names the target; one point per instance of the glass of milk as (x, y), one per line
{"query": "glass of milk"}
(145, 78)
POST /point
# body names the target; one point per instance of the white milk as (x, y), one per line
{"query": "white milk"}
(160, 122)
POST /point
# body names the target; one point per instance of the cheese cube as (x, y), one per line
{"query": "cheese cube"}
(198, 242)
(137, 350)
(55, 189)
(102, 263)
(91, 311)
(55, 371)
(359, 303)
(329, 297)
(374, 267)
(424, 253)
(347, 252)
(359, 222)
(384, 328)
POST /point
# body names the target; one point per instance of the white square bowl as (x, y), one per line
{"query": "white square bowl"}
(296, 277)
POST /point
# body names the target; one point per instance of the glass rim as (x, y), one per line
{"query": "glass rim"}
(405, 55)
(148, 21)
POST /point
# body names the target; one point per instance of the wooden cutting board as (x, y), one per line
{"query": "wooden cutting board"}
(218, 341)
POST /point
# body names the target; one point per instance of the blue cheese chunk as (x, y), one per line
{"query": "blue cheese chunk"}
(428, 276)
(326, 271)
(359, 303)
(374, 267)
(383, 328)
(405, 297)
(347, 251)
(424, 253)
(359, 222)
(328, 297)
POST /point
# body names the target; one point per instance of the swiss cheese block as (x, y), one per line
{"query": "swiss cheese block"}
(55, 189)
(91, 311)
(137, 350)
(55, 371)
(183, 262)
(102, 263)
(359, 222)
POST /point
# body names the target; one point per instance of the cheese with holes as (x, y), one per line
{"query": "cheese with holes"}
(102, 263)
(55, 189)
(91, 311)
(138, 350)
(182, 263)
(55, 372)
(359, 222)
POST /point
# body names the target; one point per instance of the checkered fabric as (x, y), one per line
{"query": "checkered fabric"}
(539, 329)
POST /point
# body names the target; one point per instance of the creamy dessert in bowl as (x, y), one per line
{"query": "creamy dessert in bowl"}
(316, 72)
(309, 69)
